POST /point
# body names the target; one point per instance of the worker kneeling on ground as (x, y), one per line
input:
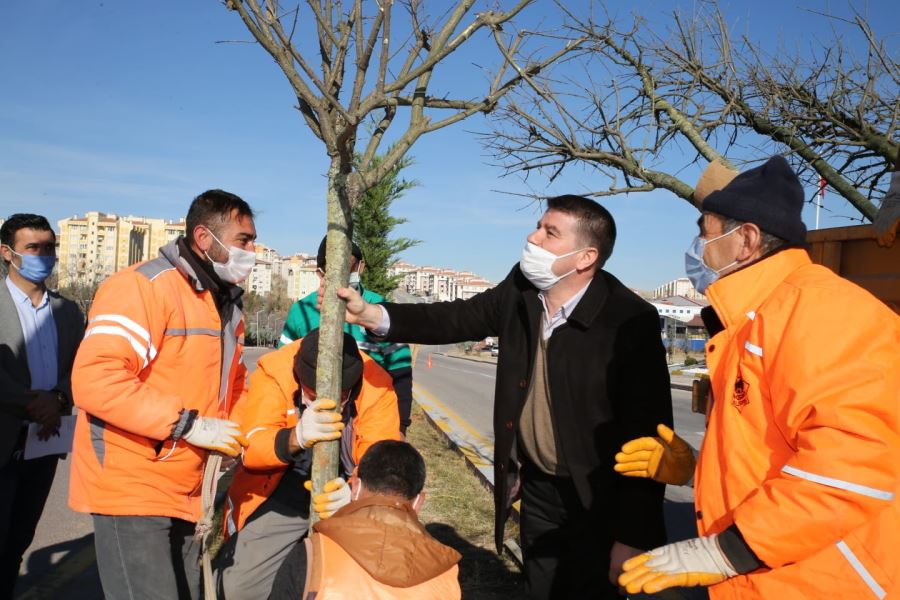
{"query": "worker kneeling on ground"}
(375, 547)
(267, 509)
(797, 480)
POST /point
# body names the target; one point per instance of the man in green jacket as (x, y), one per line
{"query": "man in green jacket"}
(394, 358)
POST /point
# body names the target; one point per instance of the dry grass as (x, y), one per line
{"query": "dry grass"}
(460, 512)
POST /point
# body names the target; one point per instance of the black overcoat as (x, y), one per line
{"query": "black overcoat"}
(608, 384)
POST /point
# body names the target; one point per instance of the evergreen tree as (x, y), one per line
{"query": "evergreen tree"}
(372, 227)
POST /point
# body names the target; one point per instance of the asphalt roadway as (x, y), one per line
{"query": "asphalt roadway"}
(60, 561)
(463, 390)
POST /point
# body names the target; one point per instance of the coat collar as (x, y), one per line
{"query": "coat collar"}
(592, 302)
(584, 312)
(201, 278)
(385, 537)
(743, 291)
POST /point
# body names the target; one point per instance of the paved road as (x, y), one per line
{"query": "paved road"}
(60, 562)
(468, 386)
(463, 389)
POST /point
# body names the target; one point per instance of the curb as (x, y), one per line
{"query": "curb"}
(469, 358)
(441, 419)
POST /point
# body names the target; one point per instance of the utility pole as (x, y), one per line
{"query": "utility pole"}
(821, 199)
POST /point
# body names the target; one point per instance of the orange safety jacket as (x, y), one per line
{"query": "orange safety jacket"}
(270, 408)
(376, 548)
(154, 345)
(802, 448)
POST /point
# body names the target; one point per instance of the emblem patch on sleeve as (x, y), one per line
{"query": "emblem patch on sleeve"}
(740, 399)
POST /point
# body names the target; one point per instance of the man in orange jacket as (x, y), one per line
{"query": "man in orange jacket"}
(156, 380)
(267, 509)
(375, 547)
(797, 480)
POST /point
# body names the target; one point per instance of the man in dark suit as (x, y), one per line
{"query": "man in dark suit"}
(39, 334)
(582, 370)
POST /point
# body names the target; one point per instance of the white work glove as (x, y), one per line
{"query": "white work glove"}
(335, 496)
(318, 423)
(695, 562)
(218, 435)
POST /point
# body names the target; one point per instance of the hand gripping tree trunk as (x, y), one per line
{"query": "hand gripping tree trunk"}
(356, 66)
(341, 195)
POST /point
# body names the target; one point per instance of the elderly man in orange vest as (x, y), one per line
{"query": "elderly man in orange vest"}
(797, 478)
(375, 547)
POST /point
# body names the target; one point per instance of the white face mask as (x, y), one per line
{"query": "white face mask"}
(354, 280)
(537, 265)
(240, 263)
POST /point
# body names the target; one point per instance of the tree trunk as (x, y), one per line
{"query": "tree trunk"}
(326, 455)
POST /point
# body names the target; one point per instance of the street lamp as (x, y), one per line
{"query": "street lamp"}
(269, 324)
(256, 331)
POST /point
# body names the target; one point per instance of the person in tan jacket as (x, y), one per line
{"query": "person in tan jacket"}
(374, 547)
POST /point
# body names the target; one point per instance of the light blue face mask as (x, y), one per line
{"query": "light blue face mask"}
(702, 275)
(34, 268)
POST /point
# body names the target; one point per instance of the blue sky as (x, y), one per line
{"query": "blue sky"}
(133, 108)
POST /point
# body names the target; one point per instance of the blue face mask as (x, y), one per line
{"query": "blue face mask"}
(34, 268)
(702, 275)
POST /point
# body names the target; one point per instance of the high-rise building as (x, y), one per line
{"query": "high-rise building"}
(96, 245)
(268, 264)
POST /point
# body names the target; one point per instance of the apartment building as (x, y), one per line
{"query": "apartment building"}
(268, 264)
(439, 285)
(678, 287)
(299, 273)
(98, 244)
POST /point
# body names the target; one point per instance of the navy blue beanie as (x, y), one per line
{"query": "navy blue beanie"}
(307, 358)
(769, 196)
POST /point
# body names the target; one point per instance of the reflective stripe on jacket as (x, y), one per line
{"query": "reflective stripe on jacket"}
(270, 408)
(376, 548)
(802, 449)
(154, 345)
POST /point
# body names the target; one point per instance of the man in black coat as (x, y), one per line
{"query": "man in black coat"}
(582, 371)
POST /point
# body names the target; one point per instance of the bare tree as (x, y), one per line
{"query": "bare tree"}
(640, 106)
(368, 77)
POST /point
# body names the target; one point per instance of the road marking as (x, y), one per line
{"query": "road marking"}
(476, 448)
(488, 375)
(452, 414)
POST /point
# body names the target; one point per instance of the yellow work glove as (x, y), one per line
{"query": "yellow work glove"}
(667, 458)
(691, 563)
(335, 496)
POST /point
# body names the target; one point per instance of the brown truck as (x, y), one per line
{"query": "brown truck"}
(853, 253)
